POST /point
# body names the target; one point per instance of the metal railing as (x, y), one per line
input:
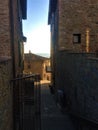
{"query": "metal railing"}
(26, 102)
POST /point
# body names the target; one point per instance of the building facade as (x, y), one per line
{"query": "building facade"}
(11, 55)
(74, 45)
(74, 25)
(11, 35)
(35, 64)
(74, 28)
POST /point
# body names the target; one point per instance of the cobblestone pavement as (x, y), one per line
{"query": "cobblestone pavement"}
(51, 116)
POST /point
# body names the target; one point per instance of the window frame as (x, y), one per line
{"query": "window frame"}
(76, 38)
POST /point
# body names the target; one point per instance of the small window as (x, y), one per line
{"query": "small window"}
(77, 38)
(48, 69)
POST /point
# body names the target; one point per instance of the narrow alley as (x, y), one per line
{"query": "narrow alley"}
(49, 46)
(41, 111)
(35, 108)
(51, 116)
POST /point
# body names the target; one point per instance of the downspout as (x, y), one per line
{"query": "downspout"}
(11, 16)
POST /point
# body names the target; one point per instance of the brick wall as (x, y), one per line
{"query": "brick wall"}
(6, 122)
(78, 17)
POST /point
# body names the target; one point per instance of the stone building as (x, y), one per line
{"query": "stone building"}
(74, 45)
(11, 55)
(74, 27)
(11, 35)
(74, 24)
(35, 64)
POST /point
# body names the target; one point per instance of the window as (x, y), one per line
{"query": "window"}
(77, 38)
(48, 69)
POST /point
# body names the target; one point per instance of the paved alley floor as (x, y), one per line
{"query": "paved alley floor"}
(51, 116)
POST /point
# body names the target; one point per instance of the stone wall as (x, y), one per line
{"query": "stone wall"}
(34, 67)
(6, 121)
(77, 77)
(37, 67)
(4, 29)
(18, 36)
(78, 17)
(11, 35)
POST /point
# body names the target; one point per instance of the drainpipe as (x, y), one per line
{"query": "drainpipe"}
(12, 36)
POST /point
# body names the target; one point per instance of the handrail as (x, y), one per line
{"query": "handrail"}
(36, 76)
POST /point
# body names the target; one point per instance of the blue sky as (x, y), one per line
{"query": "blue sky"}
(36, 28)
